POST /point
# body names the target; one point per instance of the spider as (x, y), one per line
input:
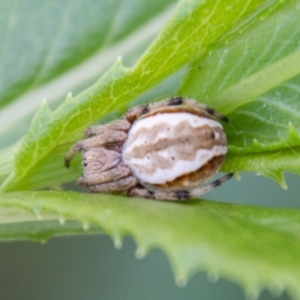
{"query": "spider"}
(164, 150)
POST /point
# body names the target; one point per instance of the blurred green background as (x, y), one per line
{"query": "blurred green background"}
(90, 267)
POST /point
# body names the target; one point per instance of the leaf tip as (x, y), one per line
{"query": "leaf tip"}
(140, 252)
(292, 131)
(281, 180)
(69, 97)
(85, 226)
(61, 220)
(252, 294)
(181, 280)
(119, 62)
(42, 114)
(237, 176)
(117, 240)
(212, 276)
(277, 176)
(37, 212)
(44, 106)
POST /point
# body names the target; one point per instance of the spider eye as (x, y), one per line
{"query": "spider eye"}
(145, 110)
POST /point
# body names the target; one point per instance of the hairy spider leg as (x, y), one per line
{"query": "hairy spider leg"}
(117, 125)
(106, 176)
(110, 136)
(119, 185)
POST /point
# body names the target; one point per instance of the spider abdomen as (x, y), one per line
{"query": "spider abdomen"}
(174, 148)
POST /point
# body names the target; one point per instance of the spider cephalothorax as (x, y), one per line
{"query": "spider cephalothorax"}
(165, 150)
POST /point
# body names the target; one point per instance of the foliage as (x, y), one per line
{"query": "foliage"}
(242, 58)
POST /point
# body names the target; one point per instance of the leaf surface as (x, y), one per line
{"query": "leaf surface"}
(49, 48)
(56, 36)
(253, 246)
(175, 46)
(255, 80)
(241, 58)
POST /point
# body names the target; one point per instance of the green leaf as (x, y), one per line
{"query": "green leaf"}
(239, 57)
(189, 30)
(270, 160)
(250, 61)
(42, 231)
(56, 36)
(50, 48)
(253, 76)
(255, 247)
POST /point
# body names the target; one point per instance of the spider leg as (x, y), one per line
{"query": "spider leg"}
(117, 125)
(119, 185)
(99, 178)
(177, 195)
(109, 136)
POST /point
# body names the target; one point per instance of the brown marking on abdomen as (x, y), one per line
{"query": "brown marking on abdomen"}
(178, 109)
(186, 144)
(193, 179)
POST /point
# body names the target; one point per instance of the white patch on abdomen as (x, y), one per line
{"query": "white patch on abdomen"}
(179, 168)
